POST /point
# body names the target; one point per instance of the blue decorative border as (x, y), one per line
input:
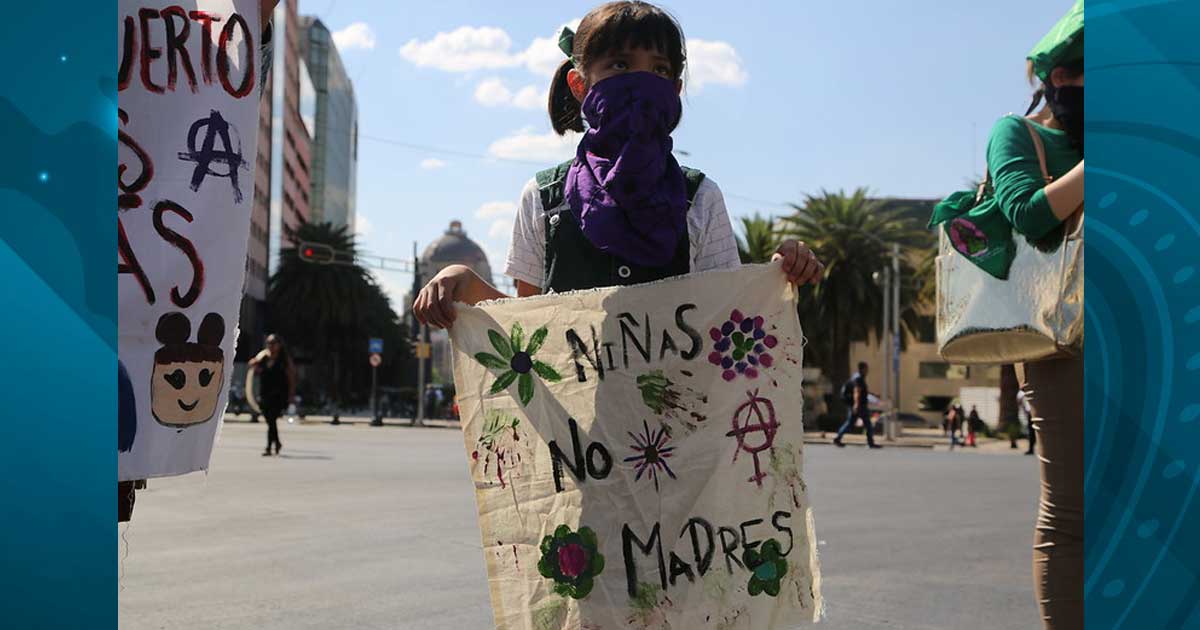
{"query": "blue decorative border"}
(1143, 315)
(57, 237)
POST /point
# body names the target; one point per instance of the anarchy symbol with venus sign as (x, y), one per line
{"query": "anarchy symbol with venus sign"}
(756, 415)
(375, 359)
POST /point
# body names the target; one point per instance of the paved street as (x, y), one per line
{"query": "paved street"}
(361, 527)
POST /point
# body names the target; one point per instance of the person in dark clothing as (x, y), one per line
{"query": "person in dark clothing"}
(858, 407)
(278, 387)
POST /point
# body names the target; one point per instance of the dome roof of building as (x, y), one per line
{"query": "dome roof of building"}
(454, 248)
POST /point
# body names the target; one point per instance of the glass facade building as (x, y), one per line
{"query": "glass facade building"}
(335, 139)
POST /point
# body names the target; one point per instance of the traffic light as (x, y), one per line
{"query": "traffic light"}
(316, 253)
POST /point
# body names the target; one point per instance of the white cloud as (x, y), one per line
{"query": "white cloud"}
(496, 209)
(357, 35)
(432, 164)
(464, 49)
(470, 48)
(500, 228)
(362, 226)
(715, 63)
(528, 145)
(529, 97)
(492, 93)
(543, 55)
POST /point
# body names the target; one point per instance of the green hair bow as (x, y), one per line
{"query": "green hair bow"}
(1062, 44)
(566, 43)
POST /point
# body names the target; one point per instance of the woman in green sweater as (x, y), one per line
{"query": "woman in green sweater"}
(1039, 211)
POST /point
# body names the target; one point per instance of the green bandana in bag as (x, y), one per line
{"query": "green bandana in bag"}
(976, 226)
(977, 229)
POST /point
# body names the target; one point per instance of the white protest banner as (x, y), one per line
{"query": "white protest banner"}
(188, 83)
(637, 455)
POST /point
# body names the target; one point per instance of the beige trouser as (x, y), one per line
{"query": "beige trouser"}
(1055, 391)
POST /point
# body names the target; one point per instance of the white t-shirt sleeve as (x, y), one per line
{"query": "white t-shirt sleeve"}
(527, 253)
(711, 235)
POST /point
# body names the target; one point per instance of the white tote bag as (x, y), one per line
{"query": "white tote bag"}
(1037, 313)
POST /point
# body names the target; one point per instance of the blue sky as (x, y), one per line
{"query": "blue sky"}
(785, 98)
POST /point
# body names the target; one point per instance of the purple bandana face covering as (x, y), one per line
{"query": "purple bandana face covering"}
(625, 188)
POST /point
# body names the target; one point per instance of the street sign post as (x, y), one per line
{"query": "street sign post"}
(375, 345)
(375, 360)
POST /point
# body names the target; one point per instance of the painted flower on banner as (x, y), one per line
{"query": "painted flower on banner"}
(767, 566)
(652, 453)
(516, 362)
(572, 560)
(741, 345)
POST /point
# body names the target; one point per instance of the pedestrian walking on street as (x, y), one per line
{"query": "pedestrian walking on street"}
(855, 393)
(277, 387)
(973, 422)
(953, 422)
(1024, 409)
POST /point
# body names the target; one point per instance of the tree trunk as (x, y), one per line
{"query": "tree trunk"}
(1008, 396)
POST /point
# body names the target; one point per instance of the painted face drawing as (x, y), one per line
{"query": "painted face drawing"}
(187, 377)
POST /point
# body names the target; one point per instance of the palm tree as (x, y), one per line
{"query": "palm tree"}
(320, 307)
(758, 240)
(852, 235)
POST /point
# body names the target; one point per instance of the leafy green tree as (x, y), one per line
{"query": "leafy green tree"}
(853, 235)
(758, 239)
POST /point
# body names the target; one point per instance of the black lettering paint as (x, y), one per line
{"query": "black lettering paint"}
(129, 197)
(608, 351)
(149, 53)
(628, 541)
(187, 299)
(128, 53)
(205, 19)
(784, 529)
(729, 547)
(692, 333)
(216, 128)
(627, 335)
(668, 344)
(703, 559)
(129, 263)
(746, 544)
(223, 70)
(579, 349)
(679, 567)
(177, 46)
(581, 467)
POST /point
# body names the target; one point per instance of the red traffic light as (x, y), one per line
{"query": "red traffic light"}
(315, 253)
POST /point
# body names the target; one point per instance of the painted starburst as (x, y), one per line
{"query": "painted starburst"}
(653, 452)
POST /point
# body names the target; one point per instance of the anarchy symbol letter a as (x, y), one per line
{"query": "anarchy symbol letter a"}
(216, 128)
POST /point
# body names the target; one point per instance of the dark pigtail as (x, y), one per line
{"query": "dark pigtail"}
(565, 114)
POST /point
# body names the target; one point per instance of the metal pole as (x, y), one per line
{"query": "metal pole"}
(885, 343)
(376, 421)
(896, 334)
(419, 420)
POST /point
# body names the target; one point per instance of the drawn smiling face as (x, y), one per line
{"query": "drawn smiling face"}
(187, 378)
(185, 393)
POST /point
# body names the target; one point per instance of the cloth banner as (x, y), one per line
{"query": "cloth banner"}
(637, 454)
(188, 84)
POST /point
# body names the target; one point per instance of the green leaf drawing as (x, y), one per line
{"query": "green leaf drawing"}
(546, 372)
(491, 361)
(502, 382)
(525, 388)
(537, 339)
(517, 336)
(500, 344)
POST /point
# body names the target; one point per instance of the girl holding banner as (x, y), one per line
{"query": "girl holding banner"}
(623, 211)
